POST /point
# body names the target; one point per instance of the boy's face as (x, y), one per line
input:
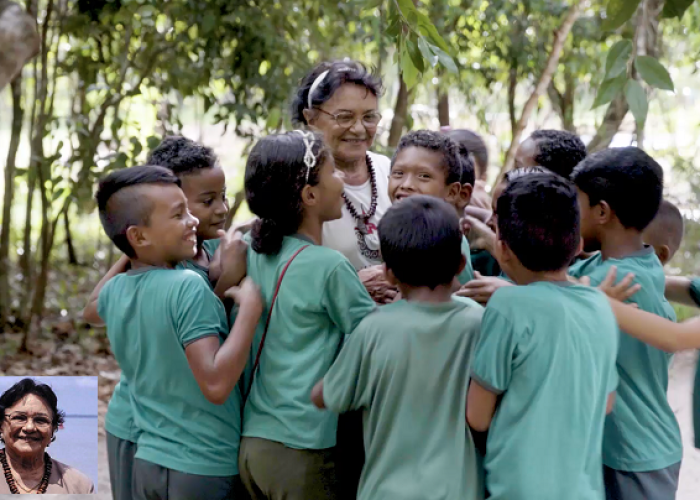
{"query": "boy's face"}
(171, 234)
(589, 223)
(205, 190)
(418, 171)
(525, 157)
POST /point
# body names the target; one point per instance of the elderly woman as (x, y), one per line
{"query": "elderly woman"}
(340, 100)
(30, 419)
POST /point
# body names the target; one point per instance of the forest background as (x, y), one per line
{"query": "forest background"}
(112, 77)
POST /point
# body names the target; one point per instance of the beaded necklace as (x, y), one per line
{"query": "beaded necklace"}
(43, 484)
(363, 220)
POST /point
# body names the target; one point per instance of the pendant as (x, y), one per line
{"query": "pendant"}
(372, 241)
(361, 226)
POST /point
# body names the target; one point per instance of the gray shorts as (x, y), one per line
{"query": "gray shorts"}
(120, 457)
(659, 484)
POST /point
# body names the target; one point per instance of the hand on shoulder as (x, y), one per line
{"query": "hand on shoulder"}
(481, 288)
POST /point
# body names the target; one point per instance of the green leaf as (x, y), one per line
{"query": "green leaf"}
(394, 28)
(416, 56)
(446, 60)
(208, 23)
(618, 12)
(653, 72)
(373, 4)
(637, 100)
(408, 70)
(427, 29)
(427, 51)
(618, 55)
(152, 142)
(406, 7)
(609, 89)
(273, 119)
(675, 8)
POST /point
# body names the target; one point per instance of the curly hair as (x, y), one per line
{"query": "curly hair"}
(26, 387)
(472, 145)
(558, 151)
(182, 155)
(339, 73)
(275, 175)
(437, 142)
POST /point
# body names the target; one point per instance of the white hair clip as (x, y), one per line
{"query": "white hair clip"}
(314, 86)
(309, 158)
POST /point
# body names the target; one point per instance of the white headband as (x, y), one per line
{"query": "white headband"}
(309, 157)
(314, 86)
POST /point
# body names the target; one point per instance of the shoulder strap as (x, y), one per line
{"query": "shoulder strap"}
(267, 323)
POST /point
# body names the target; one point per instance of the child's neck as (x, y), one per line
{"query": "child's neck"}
(312, 228)
(621, 243)
(141, 262)
(525, 276)
(441, 293)
(201, 257)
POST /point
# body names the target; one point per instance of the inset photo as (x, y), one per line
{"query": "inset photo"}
(48, 435)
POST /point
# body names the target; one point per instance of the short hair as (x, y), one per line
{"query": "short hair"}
(182, 155)
(628, 179)
(474, 146)
(517, 173)
(538, 218)
(558, 150)
(339, 73)
(121, 204)
(667, 227)
(421, 240)
(24, 388)
(437, 142)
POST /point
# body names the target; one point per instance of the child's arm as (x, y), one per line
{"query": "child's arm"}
(90, 312)
(317, 396)
(232, 260)
(481, 288)
(678, 290)
(610, 404)
(481, 406)
(215, 266)
(217, 367)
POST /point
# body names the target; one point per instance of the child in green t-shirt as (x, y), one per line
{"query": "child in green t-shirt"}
(665, 232)
(167, 332)
(406, 366)
(544, 373)
(315, 299)
(619, 193)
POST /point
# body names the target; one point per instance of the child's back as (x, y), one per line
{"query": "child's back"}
(410, 361)
(551, 348)
(151, 315)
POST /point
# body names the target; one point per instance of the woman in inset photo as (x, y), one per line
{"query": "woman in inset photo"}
(30, 423)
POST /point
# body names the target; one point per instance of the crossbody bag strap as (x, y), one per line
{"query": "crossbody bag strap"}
(267, 323)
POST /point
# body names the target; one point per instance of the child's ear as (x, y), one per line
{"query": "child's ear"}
(453, 193)
(310, 116)
(603, 213)
(137, 237)
(663, 252)
(309, 196)
(465, 196)
(389, 276)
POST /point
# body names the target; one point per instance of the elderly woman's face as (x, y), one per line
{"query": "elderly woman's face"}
(347, 143)
(27, 426)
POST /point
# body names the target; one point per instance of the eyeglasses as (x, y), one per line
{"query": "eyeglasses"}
(347, 120)
(41, 422)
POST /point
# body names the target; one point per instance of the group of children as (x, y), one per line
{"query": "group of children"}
(239, 352)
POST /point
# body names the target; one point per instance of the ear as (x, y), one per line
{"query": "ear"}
(465, 195)
(579, 250)
(310, 116)
(137, 237)
(389, 276)
(309, 196)
(603, 213)
(663, 252)
(453, 193)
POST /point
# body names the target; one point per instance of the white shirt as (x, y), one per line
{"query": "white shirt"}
(343, 234)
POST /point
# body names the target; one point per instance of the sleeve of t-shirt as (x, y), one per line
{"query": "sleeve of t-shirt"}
(347, 385)
(198, 312)
(695, 290)
(345, 298)
(492, 365)
(103, 301)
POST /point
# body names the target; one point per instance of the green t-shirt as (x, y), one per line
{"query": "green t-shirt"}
(549, 349)
(641, 433)
(320, 300)
(467, 273)
(209, 247)
(485, 263)
(407, 367)
(152, 314)
(695, 293)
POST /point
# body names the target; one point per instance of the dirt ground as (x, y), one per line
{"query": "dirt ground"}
(679, 394)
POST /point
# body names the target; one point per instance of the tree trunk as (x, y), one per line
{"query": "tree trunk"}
(512, 87)
(400, 113)
(443, 100)
(25, 259)
(8, 199)
(18, 38)
(546, 77)
(72, 258)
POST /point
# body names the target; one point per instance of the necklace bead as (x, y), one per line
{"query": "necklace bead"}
(363, 219)
(10, 479)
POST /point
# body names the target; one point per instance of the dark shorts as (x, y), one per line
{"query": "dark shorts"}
(120, 457)
(653, 485)
(154, 482)
(271, 470)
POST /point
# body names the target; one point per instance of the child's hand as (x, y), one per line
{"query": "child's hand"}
(622, 291)
(247, 296)
(481, 288)
(381, 291)
(233, 254)
(480, 236)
